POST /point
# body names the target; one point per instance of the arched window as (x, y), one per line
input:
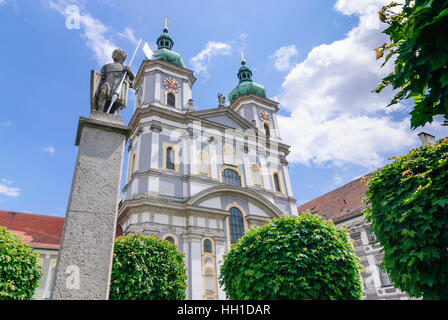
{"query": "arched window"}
(208, 246)
(170, 239)
(231, 177)
(236, 224)
(209, 284)
(277, 182)
(267, 131)
(170, 99)
(169, 158)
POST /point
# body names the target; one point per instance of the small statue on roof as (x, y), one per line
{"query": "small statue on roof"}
(221, 100)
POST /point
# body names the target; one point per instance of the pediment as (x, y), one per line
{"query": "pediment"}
(224, 116)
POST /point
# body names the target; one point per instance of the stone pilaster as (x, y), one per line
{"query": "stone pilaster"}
(85, 255)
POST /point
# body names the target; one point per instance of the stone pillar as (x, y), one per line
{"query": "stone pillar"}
(220, 246)
(85, 255)
(194, 266)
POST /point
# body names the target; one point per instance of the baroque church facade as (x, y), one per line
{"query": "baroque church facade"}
(201, 178)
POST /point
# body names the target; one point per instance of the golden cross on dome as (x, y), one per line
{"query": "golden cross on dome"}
(242, 57)
(166, 24)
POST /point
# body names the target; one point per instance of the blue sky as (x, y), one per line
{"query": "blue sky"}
(315, 57)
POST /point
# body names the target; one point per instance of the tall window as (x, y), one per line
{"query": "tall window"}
(267, 131)
(231, 177)
(208, 246)
(209, 284)
(169, 158)
(170, 99)
(277, 182)
(236, 224)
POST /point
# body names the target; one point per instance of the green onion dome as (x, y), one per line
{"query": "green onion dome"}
(164, 52)
(246, 84)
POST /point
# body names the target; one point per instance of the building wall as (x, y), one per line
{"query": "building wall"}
(47, 261)
(376, 284)
(147, 159)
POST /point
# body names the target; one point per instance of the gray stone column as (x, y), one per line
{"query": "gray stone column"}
(85, 255)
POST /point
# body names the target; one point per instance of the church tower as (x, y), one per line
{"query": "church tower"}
(249, 100)
(164, 81)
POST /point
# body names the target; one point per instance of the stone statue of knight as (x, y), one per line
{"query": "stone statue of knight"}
(104, 83)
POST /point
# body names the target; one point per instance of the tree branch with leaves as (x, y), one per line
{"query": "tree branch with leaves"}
(418, 41)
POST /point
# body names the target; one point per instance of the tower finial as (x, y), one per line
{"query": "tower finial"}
(165, 28)
(243, 61)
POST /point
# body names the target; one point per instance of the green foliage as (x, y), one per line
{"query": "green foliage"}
(409, 215)
(302, 257)
(147, 268)
(19, 268)
(419, 42)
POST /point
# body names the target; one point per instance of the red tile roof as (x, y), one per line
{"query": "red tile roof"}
(37, 230)
(340, 204)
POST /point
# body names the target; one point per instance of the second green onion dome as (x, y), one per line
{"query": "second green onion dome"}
(246, 85)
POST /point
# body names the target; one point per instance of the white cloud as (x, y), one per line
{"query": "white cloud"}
(93, 32)
(334, 118)
(202, 60)
(7, 190)
(6, 123)
(50, 149)
(282, 57)
(129, 34)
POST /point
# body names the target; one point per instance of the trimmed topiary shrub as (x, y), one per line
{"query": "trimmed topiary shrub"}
(409, 213)
(19, 268)
(147, 268)
(302, 257)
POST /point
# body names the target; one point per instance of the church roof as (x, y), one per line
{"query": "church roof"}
(340, 204)
(37, 230)
(168, 56)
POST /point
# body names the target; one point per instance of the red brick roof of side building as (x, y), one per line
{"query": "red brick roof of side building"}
(37, 230)
(340, 204)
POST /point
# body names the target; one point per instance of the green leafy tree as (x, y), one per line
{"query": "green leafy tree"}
(302, 257)
(19, 268)
(147, 268)
(409, 213)
(419, 42)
